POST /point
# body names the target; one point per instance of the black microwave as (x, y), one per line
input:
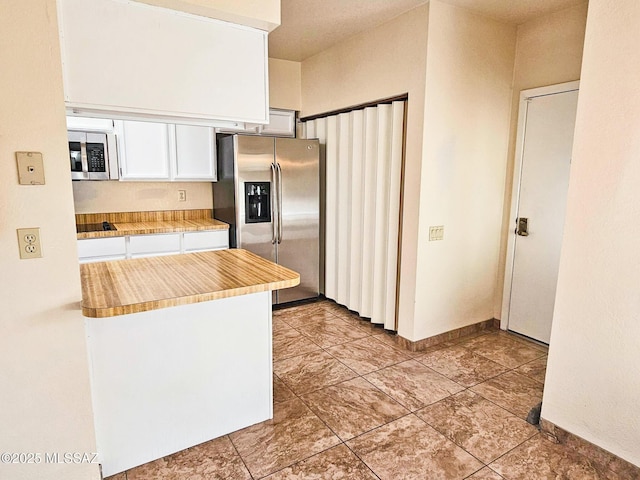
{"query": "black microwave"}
(93, 155)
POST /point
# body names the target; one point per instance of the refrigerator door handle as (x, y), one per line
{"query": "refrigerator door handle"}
(274, 207)
(279, 203)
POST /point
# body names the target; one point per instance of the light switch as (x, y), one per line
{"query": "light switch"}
(30, 168)
(436, 233)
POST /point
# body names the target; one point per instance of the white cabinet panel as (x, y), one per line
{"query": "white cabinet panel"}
(147, 245)
(143, 150)
(99, 249)
(209, 240)
(128, 57)
(138, 246)
(281, 123)
(195, 153)
(88, 124)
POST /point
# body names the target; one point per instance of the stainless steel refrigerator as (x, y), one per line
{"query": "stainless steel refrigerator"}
(268, 192)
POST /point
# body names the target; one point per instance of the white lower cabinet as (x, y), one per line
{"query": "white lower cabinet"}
(154, 245)
(101, 249)
(210, 240)
(138, 246)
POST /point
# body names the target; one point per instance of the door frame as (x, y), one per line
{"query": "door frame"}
(525, 96)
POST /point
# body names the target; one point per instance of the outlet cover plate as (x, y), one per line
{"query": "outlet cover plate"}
(29, 243)
(30, 168)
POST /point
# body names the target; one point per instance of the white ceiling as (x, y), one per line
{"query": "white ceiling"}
(311, 26)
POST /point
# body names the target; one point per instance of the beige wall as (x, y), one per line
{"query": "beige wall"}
(549, 51)
(466, 124)
(593, 377)
(262, 14)
(100, 197)
(285, 84)
(46, 403)
(383, 62)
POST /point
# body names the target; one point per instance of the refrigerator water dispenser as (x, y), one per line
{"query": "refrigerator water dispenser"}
(257, 202)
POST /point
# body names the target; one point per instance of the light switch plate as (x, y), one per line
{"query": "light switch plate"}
(436, 233)
(30, 168)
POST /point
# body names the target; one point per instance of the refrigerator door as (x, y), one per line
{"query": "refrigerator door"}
(255, 173)
(299, 203)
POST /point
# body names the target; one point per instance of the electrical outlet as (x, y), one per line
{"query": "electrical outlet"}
(29, 243)
(436, 233)
(182, 195)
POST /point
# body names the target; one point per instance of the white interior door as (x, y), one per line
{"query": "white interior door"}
(541, 182)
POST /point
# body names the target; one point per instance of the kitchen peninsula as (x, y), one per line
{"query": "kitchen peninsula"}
(179, 348)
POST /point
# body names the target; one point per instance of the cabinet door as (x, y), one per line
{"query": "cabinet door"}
(195, 154)
(207, 240)
(100, 249)
(182, 66)
(154, 245)
(143, 150)
(282, 123)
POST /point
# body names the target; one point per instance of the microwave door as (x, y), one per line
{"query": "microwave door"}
(78, 155)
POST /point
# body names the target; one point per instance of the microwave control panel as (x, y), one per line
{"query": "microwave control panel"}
(96, 157)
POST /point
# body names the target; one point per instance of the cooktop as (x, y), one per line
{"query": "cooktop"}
(94, 227)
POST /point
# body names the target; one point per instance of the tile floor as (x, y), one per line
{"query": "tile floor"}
(350, 404)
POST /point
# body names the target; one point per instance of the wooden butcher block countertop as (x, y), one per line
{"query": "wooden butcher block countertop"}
(137, 285)
(144, 223)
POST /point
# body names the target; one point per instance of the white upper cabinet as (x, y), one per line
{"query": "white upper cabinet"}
(195, 153)
(282, 123)
(143, 150)
(151, 151)
(125, 59)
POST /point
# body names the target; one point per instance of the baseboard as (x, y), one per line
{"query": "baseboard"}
(602, 459)
(425, 343)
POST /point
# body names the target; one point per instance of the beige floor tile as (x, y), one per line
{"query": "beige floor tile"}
(512, 391)
(410, 449)
(337, 463)
(280, 323)
(505, 350)
(412, 384)
(540, 459)
(462, 365)
(329, 330)
(360, 323)
(311, 317)
(367, 355)
(293, 434)
(537, 369)
(311, 371)
(480, 427)
(530, 343)
(214, 460)
(392, 340)
(485, 474)
(281, 393)
(353, 407)
(289, 343)
(118, 476)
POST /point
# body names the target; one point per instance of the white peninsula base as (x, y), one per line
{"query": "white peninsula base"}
(168, 379)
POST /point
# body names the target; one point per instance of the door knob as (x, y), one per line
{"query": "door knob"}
(522, 226)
